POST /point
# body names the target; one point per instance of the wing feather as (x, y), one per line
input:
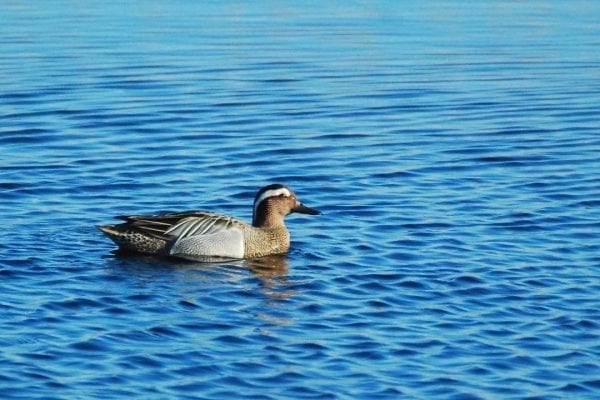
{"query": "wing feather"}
(181, 225)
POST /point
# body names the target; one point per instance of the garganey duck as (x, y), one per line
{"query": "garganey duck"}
(203, 235)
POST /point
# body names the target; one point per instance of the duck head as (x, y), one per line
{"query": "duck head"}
(273, 203)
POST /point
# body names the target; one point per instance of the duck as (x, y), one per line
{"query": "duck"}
(204, 235)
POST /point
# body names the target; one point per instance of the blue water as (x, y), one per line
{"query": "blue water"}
(454, 150)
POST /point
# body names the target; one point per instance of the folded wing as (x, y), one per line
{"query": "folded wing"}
(194, 234)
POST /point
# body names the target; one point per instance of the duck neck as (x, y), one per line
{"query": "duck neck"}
(265, 217)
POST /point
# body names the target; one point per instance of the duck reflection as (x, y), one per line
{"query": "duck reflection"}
(269, 268)
(272, 271)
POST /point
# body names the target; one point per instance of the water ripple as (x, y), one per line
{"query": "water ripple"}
(455, 162)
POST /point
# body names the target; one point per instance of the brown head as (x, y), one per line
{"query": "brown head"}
(272, 203)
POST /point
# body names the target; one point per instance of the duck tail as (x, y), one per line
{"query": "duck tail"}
(113, 232)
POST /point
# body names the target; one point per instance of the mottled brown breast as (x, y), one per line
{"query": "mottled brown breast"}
(260, 242)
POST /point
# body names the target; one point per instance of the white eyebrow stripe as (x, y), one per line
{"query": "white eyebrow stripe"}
(271, 193)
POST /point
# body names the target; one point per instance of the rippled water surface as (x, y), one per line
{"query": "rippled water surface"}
(454, 151)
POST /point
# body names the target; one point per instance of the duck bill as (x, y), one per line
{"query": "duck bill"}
(302, 209)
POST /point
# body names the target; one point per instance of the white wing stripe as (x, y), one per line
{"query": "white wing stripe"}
(175, 228)
(195, 226)
(187, 227)
(207, 225)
